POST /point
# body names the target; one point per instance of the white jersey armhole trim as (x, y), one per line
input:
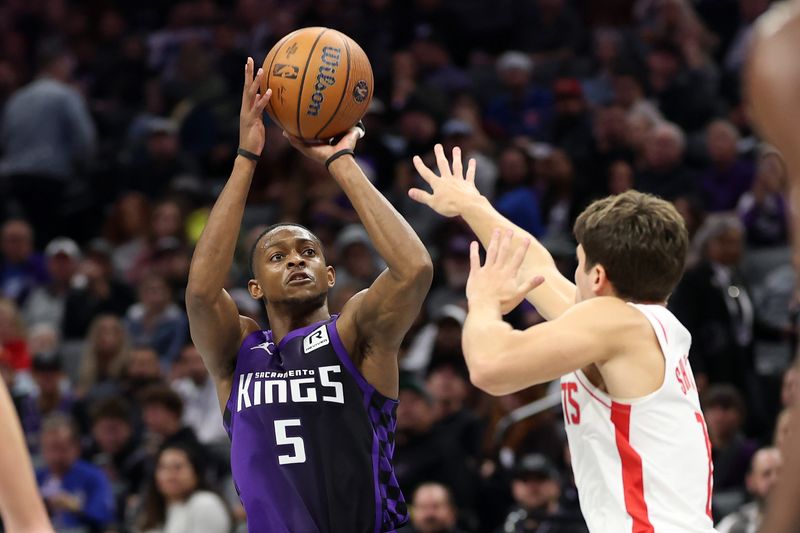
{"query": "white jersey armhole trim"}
(662, 344)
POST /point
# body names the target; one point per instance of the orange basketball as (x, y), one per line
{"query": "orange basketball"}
(321, 83)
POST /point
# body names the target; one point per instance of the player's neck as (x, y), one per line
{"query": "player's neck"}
(283, 319)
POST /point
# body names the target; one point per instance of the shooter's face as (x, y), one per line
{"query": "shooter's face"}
(290, 268)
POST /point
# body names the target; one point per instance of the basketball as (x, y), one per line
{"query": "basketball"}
(321, 83)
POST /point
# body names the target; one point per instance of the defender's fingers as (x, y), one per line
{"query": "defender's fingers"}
(491, 250)
(441, 161)
(531, 284)
(458, 168)
(504, 249)
(470, 177)
(425, 173)
(474, 256)
(423, 197)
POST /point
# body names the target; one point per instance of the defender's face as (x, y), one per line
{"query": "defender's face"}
(289, 266)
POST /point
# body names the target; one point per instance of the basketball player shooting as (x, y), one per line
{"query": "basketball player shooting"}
(638, 439)
(309, 405)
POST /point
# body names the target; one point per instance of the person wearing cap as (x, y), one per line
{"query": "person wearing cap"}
(357, 262)
(46, 303)
(521, 108)
(536, 488)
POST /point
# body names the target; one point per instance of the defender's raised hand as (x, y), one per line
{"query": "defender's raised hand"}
(451, 189)
(251, 122)
(496, 282)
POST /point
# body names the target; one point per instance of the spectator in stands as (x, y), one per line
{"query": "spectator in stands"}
(516, 197)
(178, 497)
(46, 303)
(560, 200)
(105, 356)
(77, 493)
(684, 93)
(158, 161)
(724, 410)
(156, 321)
(433, 510)
(664, 173)
(450, 388)
(356, 263)
(41, 164)
(22, 268)
(522, 108)
(729, 175)
(455, 264)
(199, 396)
(115, 449)
(167, 225)
(761, 478)
(50, 397)
(572, 122)
(713, 302)
(94, 293)
(763, 208)
(423, 452)
(536, 488)
(162, 414)
(126, 229)
(141, 370)
(13, 346)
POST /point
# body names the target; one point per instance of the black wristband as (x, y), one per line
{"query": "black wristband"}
(337, 155)
(248, 154)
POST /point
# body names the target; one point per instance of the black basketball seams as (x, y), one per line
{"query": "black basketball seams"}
(303, 81)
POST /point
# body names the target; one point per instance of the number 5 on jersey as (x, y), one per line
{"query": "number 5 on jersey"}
(298, 454)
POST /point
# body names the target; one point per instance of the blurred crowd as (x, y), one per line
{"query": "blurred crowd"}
(119, 127)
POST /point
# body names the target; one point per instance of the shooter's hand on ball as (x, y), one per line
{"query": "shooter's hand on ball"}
(322, 152)
(496, 284)
(452, 190)
(251, 122)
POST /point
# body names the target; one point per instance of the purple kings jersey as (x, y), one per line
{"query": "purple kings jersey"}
(311, 439)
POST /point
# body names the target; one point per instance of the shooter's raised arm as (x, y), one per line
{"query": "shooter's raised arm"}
(216, 327)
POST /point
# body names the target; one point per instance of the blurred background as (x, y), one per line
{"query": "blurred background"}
(118, 129)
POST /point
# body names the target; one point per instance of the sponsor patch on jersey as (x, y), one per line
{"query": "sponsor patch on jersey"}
(317, 339)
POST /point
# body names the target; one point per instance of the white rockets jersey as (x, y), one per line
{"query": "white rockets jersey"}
(642, 465)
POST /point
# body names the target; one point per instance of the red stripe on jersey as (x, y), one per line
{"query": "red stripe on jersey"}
(632, 476)
(702, 422)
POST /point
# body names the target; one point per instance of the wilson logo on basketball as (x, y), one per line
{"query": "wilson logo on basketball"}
(330, 60)
(360, 91)
(285, 71)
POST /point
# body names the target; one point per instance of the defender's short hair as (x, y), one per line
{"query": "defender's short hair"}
(640, 240)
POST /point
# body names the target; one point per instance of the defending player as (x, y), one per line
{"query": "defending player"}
(21, 506)
(309, 405)
(639, 445)
(773, 83)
